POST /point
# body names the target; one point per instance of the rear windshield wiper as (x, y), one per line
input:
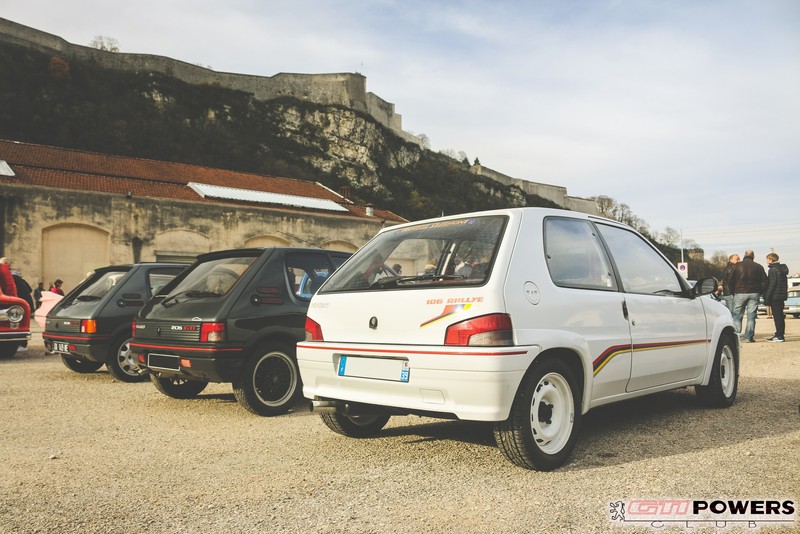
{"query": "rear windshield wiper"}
(398, 280)
(85, 298)
(192, 294)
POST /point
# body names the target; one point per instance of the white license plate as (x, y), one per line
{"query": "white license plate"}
(60, 346)
(393, 369)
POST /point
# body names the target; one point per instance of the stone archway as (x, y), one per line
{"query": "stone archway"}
(70, 251)
(266, 241)
(180, 245)
(344, 246)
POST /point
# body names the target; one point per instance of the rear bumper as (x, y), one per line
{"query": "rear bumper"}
(210, 363)
(472, 383)
(82, 348)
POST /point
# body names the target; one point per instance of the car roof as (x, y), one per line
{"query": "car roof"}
(510, 212)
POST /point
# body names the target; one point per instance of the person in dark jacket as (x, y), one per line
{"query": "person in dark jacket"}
(776, 293)
(24, 290)
(727, 283)
(748, 282)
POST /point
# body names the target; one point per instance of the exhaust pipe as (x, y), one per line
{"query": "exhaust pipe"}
(349, 409)
(323, 406)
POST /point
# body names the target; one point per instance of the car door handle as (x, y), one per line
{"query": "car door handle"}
(625, 310)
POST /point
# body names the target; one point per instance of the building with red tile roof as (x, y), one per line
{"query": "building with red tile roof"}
(65, 212)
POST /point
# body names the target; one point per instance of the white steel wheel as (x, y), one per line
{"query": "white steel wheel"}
(720, 392)
(727, 371)
(552, 412)
(542, 428)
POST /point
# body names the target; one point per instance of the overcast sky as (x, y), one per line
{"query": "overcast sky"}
(688, 111)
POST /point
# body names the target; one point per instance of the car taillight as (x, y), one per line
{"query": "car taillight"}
(487, 330)
(212, 332)
(88, 326)
(133, 329)
(313, 330)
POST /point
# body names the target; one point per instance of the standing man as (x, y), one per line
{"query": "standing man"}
(748, 281)
(727, 281)
(776, 293)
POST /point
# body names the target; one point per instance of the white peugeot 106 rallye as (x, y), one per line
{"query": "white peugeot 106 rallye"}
(526, 317)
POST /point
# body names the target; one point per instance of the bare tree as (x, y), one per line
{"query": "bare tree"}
(719, 259)
(671, 237)
(605, 205)
(109, 44)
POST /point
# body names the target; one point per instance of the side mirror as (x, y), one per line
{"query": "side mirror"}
(705, 286)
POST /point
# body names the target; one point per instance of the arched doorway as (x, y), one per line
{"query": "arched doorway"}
(70, 251)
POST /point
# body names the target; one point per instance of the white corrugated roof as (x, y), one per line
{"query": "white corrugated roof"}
(249, 195)
(5, 169)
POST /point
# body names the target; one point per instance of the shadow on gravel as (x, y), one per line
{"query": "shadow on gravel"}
(473, 432)
(654, 426)
(674, 422)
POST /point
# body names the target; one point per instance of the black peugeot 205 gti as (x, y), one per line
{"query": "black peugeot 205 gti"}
(234, 316)
(91, 325)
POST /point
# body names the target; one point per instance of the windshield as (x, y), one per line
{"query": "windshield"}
(434, 254)
(98, 289)
(213, 278)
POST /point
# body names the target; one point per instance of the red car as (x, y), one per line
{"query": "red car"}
(15, 325)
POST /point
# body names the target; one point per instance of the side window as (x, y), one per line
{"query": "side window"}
(575, 256)
(338, 260)
(158, 278)
(641, 268)
(305, 272)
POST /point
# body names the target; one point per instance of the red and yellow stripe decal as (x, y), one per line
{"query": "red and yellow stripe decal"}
(616, 350)
(449, 310)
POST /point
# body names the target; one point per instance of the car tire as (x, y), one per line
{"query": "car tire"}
(8, 349)
(121, 362)
(81, 366)
(269, 383)
(724, 381)
(355, 426)
(178, 388)
(542, 428)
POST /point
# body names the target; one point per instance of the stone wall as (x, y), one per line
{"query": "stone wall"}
(136, 227)
(553, 193)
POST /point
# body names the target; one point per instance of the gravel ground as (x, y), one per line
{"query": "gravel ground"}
(84, 453)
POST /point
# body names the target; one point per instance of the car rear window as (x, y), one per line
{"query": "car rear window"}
(214, 278)
(433, 254)
(98, 288)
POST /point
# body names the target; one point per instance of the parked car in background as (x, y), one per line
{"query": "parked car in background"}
(91, 325)
(15, 325)
(527, 318)
(793, 303)
(234, 316)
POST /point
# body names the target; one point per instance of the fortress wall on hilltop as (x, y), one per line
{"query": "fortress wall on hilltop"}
(554, 193)
(344, 89)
